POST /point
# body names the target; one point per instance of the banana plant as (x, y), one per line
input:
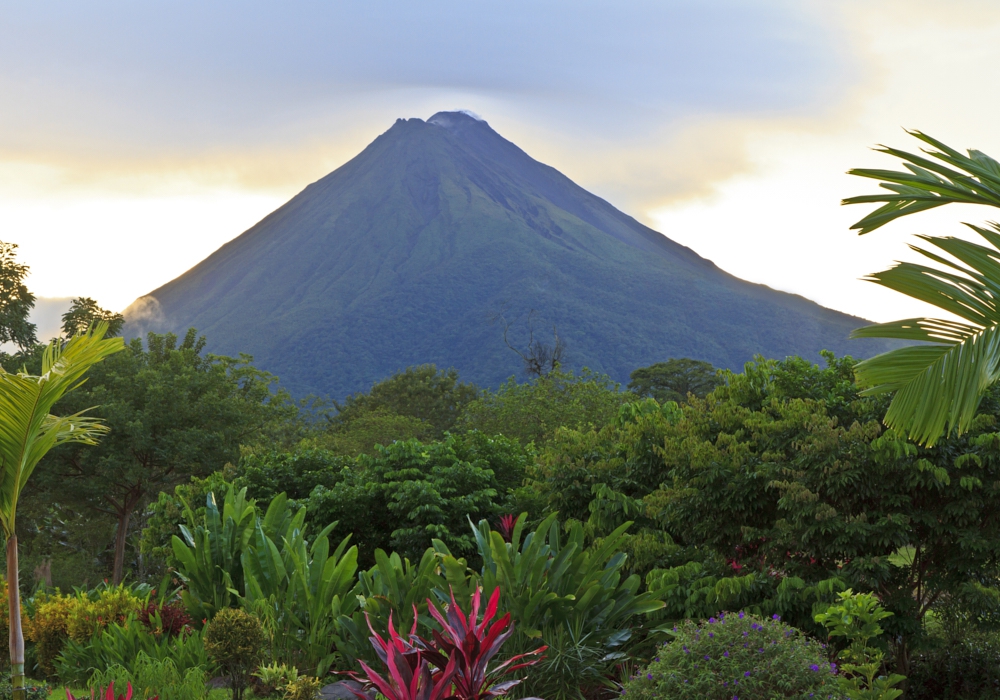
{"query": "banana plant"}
(546, 580)
(398, 590)
(298, 586)
(566, 595)
(209, 555)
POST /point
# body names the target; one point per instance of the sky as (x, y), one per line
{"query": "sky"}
(136, 138)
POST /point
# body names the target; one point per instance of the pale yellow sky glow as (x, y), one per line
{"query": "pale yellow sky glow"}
(107, 202)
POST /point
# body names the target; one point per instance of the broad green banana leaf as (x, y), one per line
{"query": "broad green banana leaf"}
(939, 383)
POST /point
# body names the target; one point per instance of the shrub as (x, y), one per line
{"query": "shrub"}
(304, 688)
(103, 606)
(966, 669)
(735, 656)
(48, 629)
(235, 640)
(35, 691)
(273, 677)
(169, 618)
(154, 677)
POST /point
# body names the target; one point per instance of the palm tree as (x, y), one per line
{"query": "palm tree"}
(27, 432)
(940, 382)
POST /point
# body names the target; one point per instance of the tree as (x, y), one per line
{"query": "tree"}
(27, 432)
(539, 358)
(84, 312)
(533, 411)
(938, 383)
(16, 302)
(674, 379)
(788, 475)
(174, 413)
(422, 392)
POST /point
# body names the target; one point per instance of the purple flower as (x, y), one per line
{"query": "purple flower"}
(741, 614)
(726, 654)
(776, 617)
(711, 620)
(686, 650)
(711, 634)
(707, 657)
(746, 634)
(657, 658)
(814, 667)
(746, 674)
(650, 675)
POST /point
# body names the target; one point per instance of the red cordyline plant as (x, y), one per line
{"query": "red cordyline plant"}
(506, 527)
(457, 660)
(409, 675)
(470, 644)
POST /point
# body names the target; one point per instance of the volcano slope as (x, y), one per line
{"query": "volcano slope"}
(404, 254)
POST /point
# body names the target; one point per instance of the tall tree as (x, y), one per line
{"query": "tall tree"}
(174, 413)
(422, 392)
(84, 312)
(939, 383)
(27, 432)
(674, 379)
(16, 302)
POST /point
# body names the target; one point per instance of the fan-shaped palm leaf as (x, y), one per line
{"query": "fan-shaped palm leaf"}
(938, 385)
(27, 432)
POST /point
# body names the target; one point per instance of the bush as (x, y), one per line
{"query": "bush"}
(48, 629)
(169, 618)
(154, 677)
(303, 688)
(235, 640)
(741, 656)
(35, 691)
(94, 611)
(967, 669)
(273, 677)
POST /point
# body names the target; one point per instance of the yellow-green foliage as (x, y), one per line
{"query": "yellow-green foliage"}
(92, 615)
(235, 640)
(48, 628)
(274, 676)
(303, 688)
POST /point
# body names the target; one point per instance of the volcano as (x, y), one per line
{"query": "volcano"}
(408, 253)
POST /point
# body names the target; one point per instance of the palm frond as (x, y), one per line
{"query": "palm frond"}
(27, 428)
(938, 385)
(928, 182)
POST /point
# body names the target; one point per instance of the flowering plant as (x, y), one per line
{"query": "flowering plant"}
(736, 655)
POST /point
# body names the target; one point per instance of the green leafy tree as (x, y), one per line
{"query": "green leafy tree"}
(174, 413)
(420, 491)
(674, 379)
(84, 312)
(366, 429)
(16, 302)
(27, 432)
(532, 412)
(423, 393)
(937, 384)
(788, 474)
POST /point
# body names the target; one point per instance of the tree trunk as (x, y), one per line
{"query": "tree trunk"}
(120, 540)
(14, 607)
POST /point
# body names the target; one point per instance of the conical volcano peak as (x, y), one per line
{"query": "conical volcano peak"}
(403, 255)
(458, 118)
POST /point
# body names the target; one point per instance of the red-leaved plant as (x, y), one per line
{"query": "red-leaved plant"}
(456, 660)
(471, 643)
(409, 675)
(506, 527)
(108, 694)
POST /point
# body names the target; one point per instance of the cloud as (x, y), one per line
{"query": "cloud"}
(136, 95)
